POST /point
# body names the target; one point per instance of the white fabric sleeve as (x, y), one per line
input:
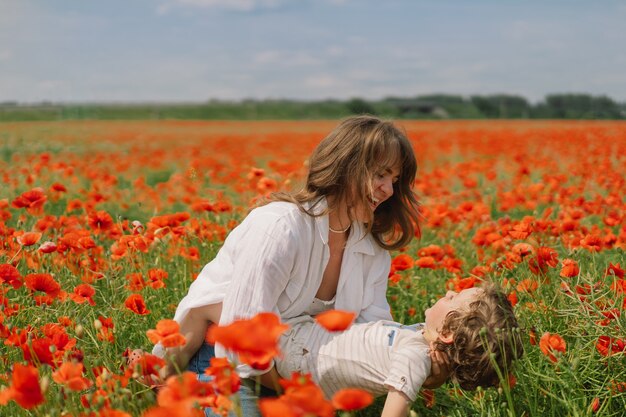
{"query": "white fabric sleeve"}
(376, 290)
(262, 268)
(410, 366)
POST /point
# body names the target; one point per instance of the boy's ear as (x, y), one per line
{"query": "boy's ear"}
(446, 338)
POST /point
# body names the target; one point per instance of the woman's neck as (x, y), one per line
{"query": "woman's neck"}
(338, 217)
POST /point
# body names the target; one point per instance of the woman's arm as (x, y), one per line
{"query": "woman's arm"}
(396, 404)
(262, 268)
(194, 327)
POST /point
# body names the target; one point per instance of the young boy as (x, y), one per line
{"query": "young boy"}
(476, 329)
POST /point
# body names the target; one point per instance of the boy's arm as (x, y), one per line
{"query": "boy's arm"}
(396, 404)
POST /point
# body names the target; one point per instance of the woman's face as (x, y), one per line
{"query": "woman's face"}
(382, 189)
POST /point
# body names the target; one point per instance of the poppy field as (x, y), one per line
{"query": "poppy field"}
(104, 225)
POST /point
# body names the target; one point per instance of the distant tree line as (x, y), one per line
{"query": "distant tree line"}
(435, 106)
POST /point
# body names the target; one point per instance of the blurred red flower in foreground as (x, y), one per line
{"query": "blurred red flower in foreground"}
(167, 333)
(351, 399)
(255, 339)
(71, 375)
(25, 389)
(226, 380)
(298, 401)
(335, 320)
(180, 395)
(551, 343)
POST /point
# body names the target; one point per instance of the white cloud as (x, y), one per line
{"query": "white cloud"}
(236, 5)
(5, 54)
(285, 59)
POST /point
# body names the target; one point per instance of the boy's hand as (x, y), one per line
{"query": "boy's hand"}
(439, 370)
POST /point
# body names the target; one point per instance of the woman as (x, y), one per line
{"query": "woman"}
(323, 247)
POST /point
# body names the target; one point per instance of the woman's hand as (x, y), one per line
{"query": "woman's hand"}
(439, 371)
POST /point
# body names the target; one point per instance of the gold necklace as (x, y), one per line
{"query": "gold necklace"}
(339, 231)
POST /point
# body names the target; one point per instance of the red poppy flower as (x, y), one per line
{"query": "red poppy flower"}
(167, 333)
(297, 380)
(148, 365)
(136, 304)
(615, 270)
(607, 346)
(135, 281)
(105, 327)
(10, 275)
(591, 243)
(551, 343)
(25, 389)
(429, 397)
(544, 257)
(298, 401)
(595, 405)
(522, 249)
(186, 390)
(255, 340)
(29, 238)
(402, 262)
(512, 297)
(434, 251)
(47, 247)
(44, 283)
(156, 277)
(335, 320)
(100, 221)
(351, 399)
(521, 230)
(276, 407)
(71, 376)
(226, 380)
(58, 187)
(527, 285)
(83, 293)
(173, 411)
(266, 185)
(426, 262)
(569, 268)
(32, 201)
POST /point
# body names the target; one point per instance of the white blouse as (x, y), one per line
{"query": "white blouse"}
(274, 261)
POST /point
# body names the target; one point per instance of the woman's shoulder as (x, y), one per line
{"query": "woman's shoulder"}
(275, 209)
(278, 213)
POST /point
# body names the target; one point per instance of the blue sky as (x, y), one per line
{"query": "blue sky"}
(195, 50)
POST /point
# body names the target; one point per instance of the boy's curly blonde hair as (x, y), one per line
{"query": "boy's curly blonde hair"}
(486, 340)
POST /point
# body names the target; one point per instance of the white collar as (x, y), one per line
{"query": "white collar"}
(358, 241)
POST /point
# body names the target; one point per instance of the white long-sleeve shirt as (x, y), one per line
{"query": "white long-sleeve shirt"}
(372, 356)
(274, 261)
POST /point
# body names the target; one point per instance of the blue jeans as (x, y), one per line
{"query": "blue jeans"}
(200, 361)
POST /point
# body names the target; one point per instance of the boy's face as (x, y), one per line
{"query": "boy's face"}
(436, 315)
